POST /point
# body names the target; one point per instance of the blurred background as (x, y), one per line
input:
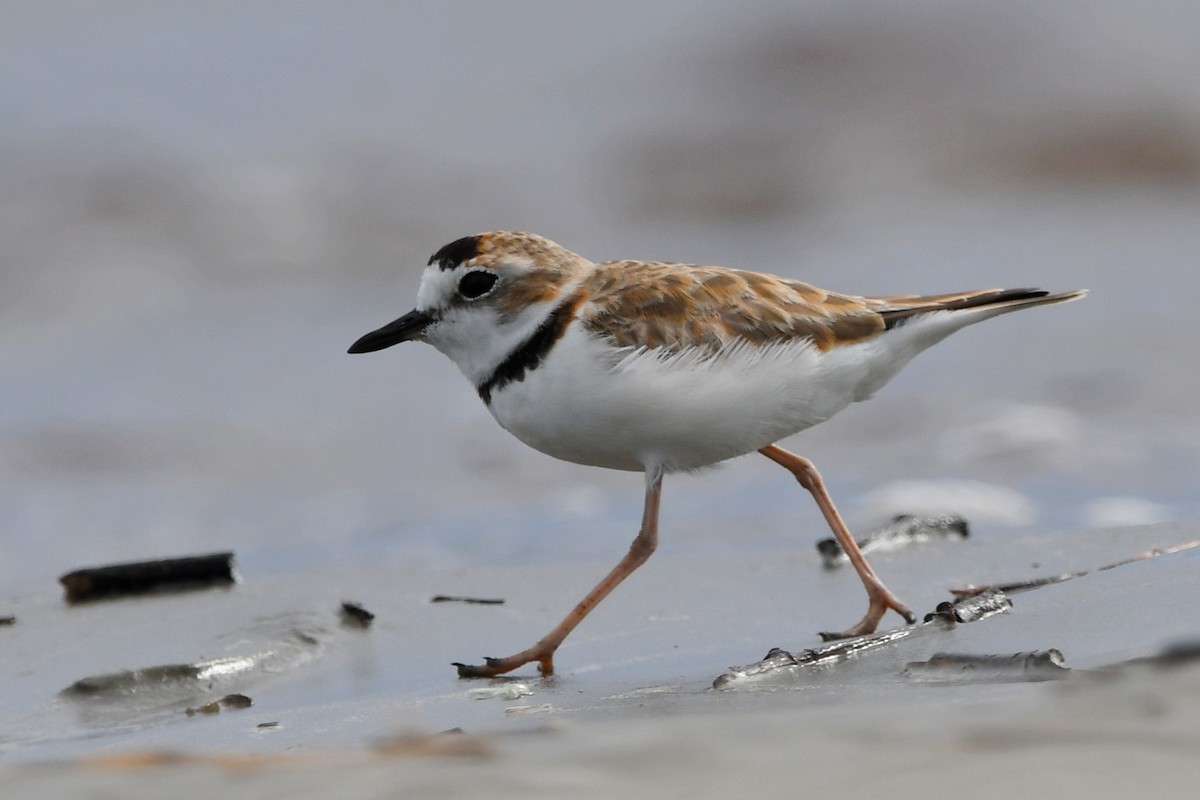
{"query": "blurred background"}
(202, 205)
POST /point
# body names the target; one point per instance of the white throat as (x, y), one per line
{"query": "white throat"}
(478, 341)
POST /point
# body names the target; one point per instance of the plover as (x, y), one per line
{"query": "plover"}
(659, 367)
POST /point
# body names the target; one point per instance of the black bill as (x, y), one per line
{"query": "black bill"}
(405, 329)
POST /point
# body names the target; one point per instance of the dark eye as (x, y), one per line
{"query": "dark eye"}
(476, 284)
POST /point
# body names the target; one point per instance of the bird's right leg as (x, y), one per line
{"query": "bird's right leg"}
(879, 598)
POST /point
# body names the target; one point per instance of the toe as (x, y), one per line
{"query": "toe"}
(474, 671)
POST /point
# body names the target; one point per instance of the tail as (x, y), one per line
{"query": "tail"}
(986, 302)
(922, 321)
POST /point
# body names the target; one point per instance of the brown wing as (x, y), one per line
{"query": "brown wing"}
(676, 306)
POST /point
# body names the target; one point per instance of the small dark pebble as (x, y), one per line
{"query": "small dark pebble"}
(483, 601)
(943, 611)
(207, 708)
(236, 701)
(353, 614)
(228, 701)
(972, 608)
(7, 621)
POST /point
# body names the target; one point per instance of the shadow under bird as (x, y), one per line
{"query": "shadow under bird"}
(659, 367)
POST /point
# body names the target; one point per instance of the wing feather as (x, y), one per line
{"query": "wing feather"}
(650, 304)
(678, 306)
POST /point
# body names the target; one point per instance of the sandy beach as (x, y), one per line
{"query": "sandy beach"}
(365, 712)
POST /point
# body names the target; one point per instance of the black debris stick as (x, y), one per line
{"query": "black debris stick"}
(143, 577)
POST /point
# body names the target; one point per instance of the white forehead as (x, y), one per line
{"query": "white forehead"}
(437, 285)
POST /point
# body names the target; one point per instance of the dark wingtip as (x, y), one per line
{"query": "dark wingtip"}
(456, 252)
(895, 316)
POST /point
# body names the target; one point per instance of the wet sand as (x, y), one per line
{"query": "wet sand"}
(632, 708)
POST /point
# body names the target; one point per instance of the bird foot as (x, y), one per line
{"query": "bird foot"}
(491, 667)
(879, 606)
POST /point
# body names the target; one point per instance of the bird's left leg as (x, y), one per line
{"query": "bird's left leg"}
(880, 599)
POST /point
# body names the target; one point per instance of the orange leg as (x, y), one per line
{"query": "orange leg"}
(878, 596)
(543, 652)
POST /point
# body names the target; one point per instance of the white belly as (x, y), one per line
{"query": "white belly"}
(625, 410)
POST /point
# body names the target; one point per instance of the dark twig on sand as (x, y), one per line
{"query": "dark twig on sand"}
(481, 601)
(1036, 583)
